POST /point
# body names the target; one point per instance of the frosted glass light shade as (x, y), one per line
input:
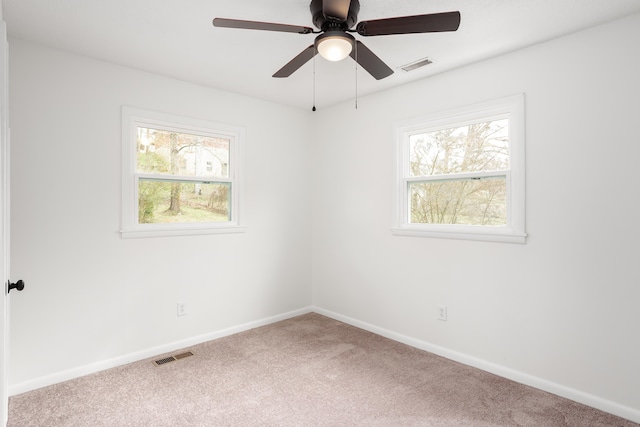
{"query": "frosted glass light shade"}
(334, 48)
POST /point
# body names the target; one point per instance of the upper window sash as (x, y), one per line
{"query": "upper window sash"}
(514, 231)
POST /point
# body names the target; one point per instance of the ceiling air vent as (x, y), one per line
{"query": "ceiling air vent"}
(172, 358)
(416, 64)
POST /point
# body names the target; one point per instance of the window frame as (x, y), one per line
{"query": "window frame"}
(132, 118)
(511, 107)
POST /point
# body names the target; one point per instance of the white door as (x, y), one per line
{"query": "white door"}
(4, 224)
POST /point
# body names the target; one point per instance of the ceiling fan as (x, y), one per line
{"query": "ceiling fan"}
(335, 20)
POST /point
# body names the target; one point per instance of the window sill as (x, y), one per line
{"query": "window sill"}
(467, 233)
(179, 230)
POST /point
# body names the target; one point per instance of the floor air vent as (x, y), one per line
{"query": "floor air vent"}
(172, 358)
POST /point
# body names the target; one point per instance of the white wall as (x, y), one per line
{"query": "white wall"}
(560, 311)
(91, 296)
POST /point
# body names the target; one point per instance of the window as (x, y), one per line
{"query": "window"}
(181, 176)
(460, 174)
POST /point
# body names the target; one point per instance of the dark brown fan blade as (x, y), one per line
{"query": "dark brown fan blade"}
(370, 62)
(337, 9)
(255, 25)
(432, 23)
(297, 62)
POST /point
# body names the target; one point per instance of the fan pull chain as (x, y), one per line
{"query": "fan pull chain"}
(356, 68)
(314, 83)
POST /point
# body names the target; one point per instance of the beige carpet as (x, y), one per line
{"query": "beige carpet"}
(306, 371)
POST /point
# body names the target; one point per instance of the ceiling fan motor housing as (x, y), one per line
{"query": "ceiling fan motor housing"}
(326, 23)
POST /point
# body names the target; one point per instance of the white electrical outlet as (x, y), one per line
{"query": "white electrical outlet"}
(442, 313)
(182, 309)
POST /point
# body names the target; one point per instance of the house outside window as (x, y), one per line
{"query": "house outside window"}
(460, 174)
(181, 176)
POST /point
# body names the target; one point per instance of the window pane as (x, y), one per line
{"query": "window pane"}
(470, 148)
(161, 151)
(467, 202)
(162, 202)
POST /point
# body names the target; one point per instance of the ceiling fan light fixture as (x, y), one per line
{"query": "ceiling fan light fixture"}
(334, 45)
(336, 19)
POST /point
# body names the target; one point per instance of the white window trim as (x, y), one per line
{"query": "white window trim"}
(134, 117)
(514, 232)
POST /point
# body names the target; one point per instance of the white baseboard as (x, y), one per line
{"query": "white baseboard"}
(517, 376)
(92, 368)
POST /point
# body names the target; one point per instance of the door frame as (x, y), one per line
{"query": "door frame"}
(4, 224)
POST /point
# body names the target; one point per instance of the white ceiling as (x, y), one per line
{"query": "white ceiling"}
(176, 38)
